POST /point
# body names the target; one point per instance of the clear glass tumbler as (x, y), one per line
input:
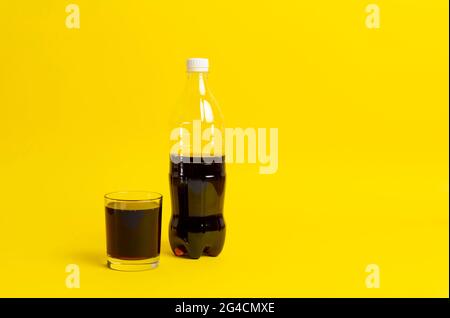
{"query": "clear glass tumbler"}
(133, 229)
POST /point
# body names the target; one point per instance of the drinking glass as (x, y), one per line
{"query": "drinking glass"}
(133, 229)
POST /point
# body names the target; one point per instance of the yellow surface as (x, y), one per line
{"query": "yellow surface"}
(363, 143)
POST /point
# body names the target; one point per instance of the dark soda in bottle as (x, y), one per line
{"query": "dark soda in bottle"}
(197, 190)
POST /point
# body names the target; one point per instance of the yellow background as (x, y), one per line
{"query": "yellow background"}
(363, 143)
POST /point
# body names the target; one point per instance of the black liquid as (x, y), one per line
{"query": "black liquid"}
(133, 234)
(197, 190)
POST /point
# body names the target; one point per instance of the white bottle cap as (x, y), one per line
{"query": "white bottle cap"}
(197, 65)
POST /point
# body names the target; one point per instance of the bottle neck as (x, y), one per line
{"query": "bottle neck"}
(197, 82)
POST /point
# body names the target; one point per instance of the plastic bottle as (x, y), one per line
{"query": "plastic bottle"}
(197, 169)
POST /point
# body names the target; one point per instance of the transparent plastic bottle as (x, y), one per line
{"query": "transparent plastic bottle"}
(197, 169)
